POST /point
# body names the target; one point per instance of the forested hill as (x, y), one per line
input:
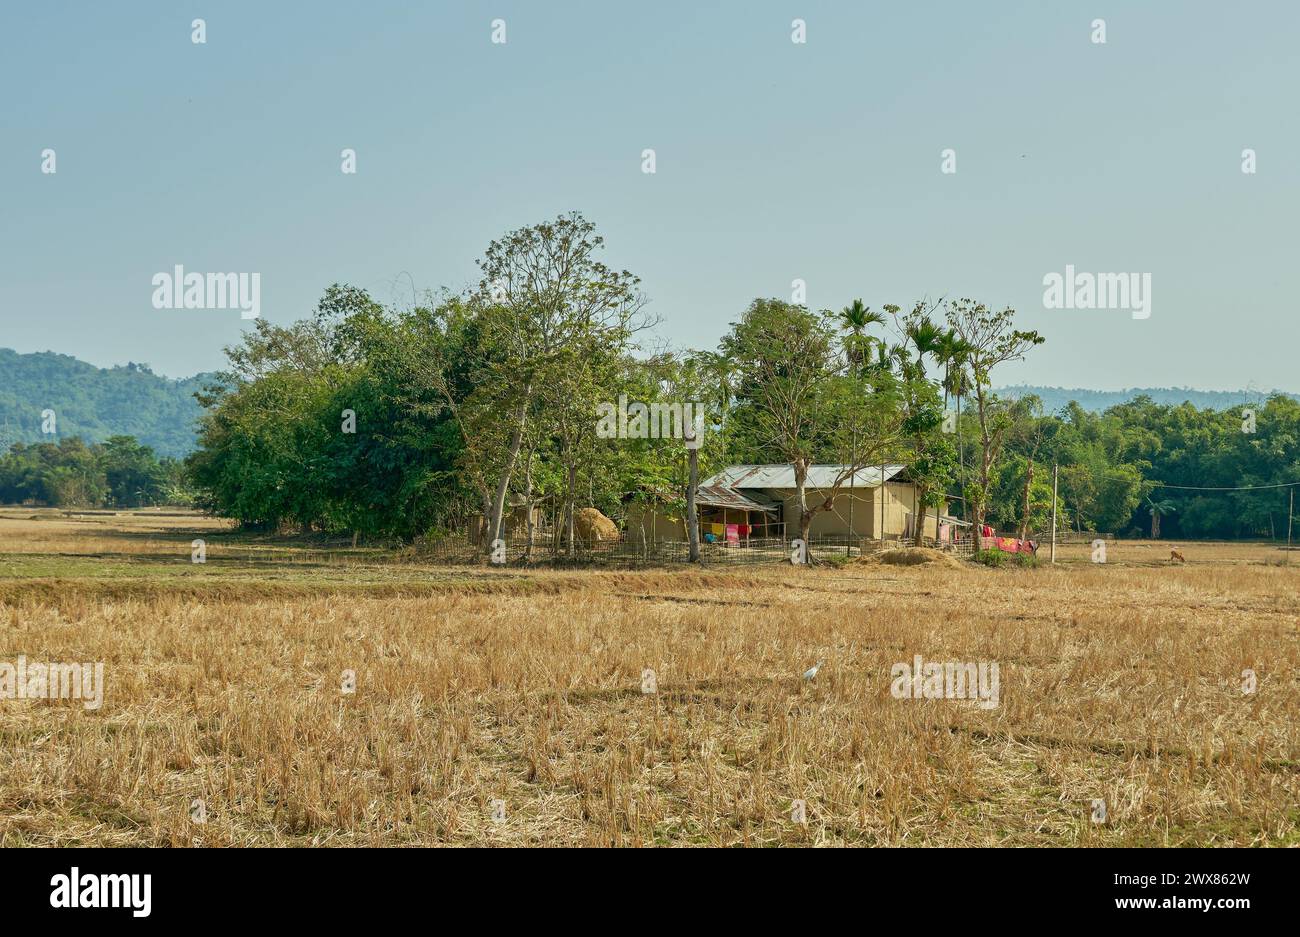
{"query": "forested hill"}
(1054, 398)
(95, 403)
(130, 400)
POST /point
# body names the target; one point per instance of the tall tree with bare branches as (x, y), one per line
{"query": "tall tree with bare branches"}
(991, 339)
(798, 398)
(543, 299)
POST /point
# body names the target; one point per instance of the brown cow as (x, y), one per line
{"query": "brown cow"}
(1175, 555)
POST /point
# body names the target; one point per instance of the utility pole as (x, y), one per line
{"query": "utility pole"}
(848, 550)
(882, 505)
(1054, 468)
(1290, 511)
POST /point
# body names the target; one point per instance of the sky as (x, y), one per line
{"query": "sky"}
(775, 161)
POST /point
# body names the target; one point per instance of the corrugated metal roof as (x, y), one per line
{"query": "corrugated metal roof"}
(782, 476)
(718, 497)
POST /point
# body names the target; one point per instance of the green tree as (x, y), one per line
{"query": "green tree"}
(797, 399)
(544, 298)
(991, 340)
(1157, 510)
(131, 471)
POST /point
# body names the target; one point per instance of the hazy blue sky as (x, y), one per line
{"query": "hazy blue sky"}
(775, 160)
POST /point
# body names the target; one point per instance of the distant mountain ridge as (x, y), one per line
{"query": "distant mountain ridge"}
(130, 400)
(1054, 398)
(96, 403)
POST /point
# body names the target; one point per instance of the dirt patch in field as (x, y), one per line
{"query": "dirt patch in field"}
(58, 591)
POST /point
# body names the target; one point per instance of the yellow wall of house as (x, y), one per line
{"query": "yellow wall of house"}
(905, 496)
(516, 523)
(899, 499)
(835, 522)
(653, 526)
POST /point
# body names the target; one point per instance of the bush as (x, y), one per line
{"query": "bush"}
(997, 558)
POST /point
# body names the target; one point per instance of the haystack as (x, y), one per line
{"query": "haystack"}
(912, 557)
(591, 526)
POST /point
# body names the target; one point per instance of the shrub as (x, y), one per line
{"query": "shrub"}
(999, 559)
(990, 557)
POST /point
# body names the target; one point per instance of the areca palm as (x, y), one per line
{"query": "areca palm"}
(953, 353)
(888, 355)
(927, 339)
(856, 318)
(1158, 509)
(718, 372)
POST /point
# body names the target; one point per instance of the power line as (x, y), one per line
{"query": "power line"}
(1209, 488)
(1198, 487)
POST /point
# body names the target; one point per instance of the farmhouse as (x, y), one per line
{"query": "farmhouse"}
(760, 501)
(514, 524)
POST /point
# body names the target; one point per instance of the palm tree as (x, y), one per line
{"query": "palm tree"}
(716, 368)
(1157, 510)
(890, 355)
(952, 353)
(948, 353)
(856, 319)
(927, 337)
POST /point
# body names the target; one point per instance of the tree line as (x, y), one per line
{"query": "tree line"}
(119, 472)
(393, 423)
(1160, 470)
(398, 423)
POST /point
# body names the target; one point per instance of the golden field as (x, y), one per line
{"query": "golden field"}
(1119, 682)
